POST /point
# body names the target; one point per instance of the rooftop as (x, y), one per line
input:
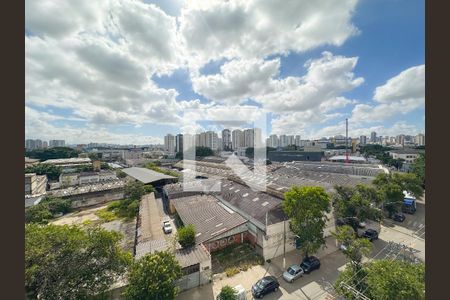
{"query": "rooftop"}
(145, 175)
(407, 151)
(209, 217)
(73, 160)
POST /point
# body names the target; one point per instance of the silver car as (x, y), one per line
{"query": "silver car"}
(292, 273)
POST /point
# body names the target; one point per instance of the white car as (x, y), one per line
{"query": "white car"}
(167, 228)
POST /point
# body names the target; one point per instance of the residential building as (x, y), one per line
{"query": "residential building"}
(297, 140)
(373, 137)
(420, 139)
(179, 143)
(400, 139)
(169, 143)
(407, 154)
(273, 141)
(237, 139)
(211, 140)
(56, 143)
(249, 138)
(362, 140)
(226, 139)
(283, 140)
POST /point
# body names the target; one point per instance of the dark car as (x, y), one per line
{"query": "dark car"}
(371, 234)
(399, 217)
(264, 286)
(310, 264)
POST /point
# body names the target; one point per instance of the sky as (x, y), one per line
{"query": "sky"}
(130, 72)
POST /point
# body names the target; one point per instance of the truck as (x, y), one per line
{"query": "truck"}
(409, 203)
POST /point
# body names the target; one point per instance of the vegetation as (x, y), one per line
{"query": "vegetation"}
(121, 174)
(134, 190)
(356, 247)
(227, 293)
(250, 152)
(186, 236)
(391, 187)
(153, 277)
(51, 171)
(119, 209)
(306, 208)
(385, 279)
(201, 151)
(44, 211)
(381, 153)
(235, 258)
(359, 202)
(68, 262)
(418, 168)
(52, 153)
(156, 168)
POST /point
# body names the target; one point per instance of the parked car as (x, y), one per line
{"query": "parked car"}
(371, 234)
(264, 286)
(399, 217)
(351, 221)
(292, 273)
(240, 293)
(167, 228)
(310, 264)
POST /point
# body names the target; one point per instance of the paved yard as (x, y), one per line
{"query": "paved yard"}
(157, 215)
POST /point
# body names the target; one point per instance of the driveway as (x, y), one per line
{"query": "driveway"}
(157, 215)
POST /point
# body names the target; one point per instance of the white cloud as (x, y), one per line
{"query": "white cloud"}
(326, 79)
(400, 95)
(249, 29)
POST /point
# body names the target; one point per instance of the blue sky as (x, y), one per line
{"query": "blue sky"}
(125, 73)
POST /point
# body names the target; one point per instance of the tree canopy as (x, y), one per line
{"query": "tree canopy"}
(385, 279)
(135, 189)
(359, 202)
(153, 277)
(52, 153)
(69, 262)
(186, 236)
(418, 168)
(306, 208)
(356, 248)
(227, 293)
(51, 171)
(203, 151)
(44, 211)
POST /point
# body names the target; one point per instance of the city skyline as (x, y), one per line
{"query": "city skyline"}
(309, 78)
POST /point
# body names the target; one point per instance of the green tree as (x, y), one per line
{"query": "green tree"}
(121, 174)
(306, 208)
(51, 171)
(43, 212)
(201, 151)
(68, 262)
(418, 168)
(356, 248)
(385, 279)
(134, 190)
(153, 277)
(391, 187)
(186, 236)
(359, 202)
(250, 152)
(52, 153)
(227, 293)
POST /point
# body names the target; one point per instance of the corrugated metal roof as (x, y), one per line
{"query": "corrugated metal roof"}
(145, 175)
(207, 215)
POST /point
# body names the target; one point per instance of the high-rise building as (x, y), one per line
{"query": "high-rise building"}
(179, 143)
(237, 139)
(290, 140)
(420, 139)
(400, 139)
(373, 137)
(56, 143)
(211, 140)
(226, 139)
(362, 140)
(297, 140)
(249, 137)
(283, 140)
(30, 144)
(170, 143)
(44, 144)
(273, 141)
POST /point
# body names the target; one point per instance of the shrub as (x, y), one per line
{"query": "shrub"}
(231, 271)
(186, 236)
(106, 215)
(227, 293)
